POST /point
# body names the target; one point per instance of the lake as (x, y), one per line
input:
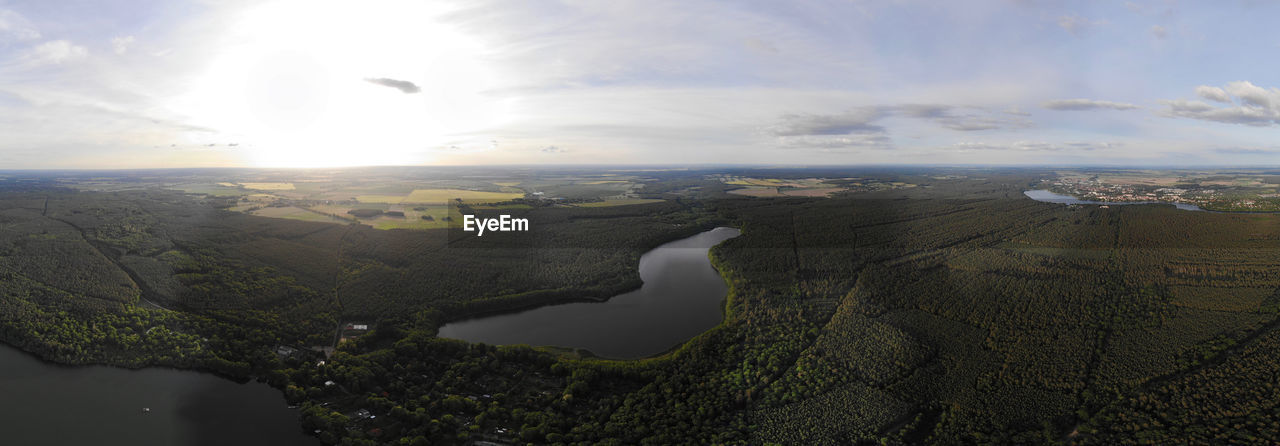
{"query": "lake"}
(51, 404)
(681, 297)
(1050, 197)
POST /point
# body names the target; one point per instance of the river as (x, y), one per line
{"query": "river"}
(1050, 197)
(52, 404)
(681, 297)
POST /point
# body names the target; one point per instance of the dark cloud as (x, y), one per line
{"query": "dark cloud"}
(554, 149)
(1087, 104)
(862, 121)
(1244, 103)
(1247, 151)
(1035, 146)
(857, 121)
(404, 86)
(964, 119)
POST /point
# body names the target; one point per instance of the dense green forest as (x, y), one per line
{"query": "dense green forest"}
(958, 311)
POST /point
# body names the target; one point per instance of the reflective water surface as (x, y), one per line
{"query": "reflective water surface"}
(50, 404)
(681, 298)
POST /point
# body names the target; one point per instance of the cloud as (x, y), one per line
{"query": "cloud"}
(1086, 104)
(857, 121)
(1247, 151)
(1159, 32)
(14, 26)
(554, 149)
(1246, 104)
(1077, 25)
(1253, 95)
(55, 52)
(404, 86)
(1213, 93)
(1016, 111)
(861, 121)
(828, 142)
(965, 119)
(1034, 146)
(121, 44)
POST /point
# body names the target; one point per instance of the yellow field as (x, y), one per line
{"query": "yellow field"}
(508, 184)
(446, 195)
(391, 199)
(268, 186)
(620, 202)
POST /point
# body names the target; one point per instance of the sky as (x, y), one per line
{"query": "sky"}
(147, 84)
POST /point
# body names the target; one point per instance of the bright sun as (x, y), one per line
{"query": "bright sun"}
(288, 84)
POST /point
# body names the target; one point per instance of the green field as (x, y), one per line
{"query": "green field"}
(436, 196)
(619, 202)
(209, 189)
(295, 213)
(268, 186)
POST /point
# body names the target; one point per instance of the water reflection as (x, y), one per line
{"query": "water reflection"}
(680, 298)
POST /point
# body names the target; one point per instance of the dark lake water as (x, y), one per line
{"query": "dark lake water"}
(681, 298)
(49, 404)
(1050, 197)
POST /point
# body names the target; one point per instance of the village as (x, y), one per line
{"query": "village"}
(1218, 198)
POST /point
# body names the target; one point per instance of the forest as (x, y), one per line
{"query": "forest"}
(958, 311)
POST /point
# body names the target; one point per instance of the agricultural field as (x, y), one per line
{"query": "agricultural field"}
(213, 189)
(439, 196)
(618, 202)
(807, 187)
(296, 213)
(757, 192)
(268, 186)
(388, 199)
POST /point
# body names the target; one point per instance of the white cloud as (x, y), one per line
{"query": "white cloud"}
(1087, 104)
(1212, 93)
(55, 52)
(14, 26)
(1246, 104)
(835, 142)
(1253, 95)
(121, 44)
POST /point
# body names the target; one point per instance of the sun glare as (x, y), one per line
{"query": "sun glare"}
(288, 84)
